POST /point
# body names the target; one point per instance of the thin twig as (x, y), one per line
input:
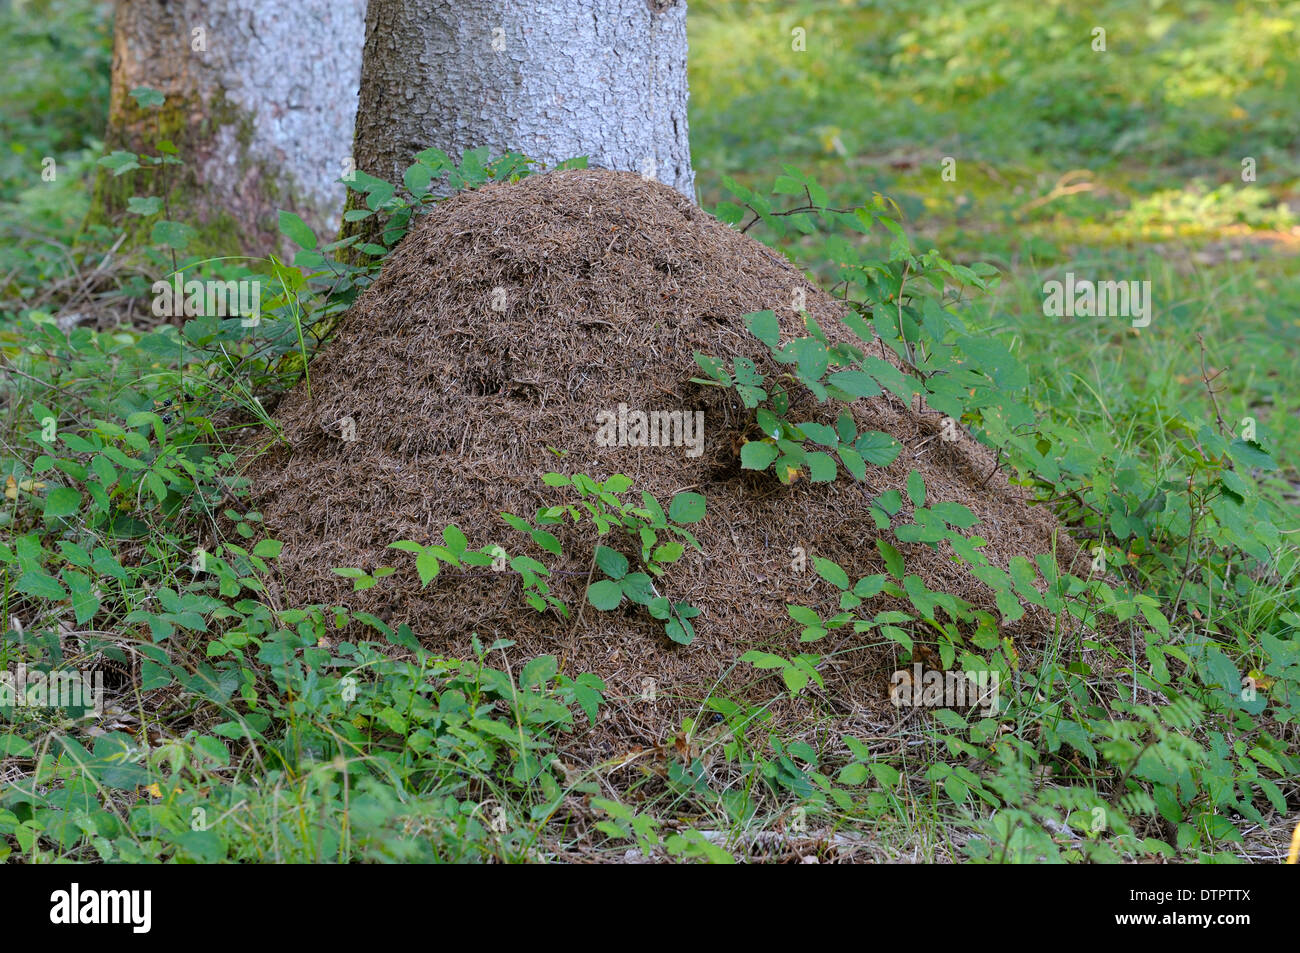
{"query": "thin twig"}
(1207, 379)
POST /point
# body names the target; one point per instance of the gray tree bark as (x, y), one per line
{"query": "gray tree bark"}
(261, 101)
(553, 79)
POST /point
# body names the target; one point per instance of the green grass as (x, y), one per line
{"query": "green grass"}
(1154, 130)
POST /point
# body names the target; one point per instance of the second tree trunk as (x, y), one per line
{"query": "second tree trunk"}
(601, 78)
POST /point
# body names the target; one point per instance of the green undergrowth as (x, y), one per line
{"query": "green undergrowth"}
(252, 732)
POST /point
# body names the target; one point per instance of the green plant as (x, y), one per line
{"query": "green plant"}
(598, 504)
(315, 754)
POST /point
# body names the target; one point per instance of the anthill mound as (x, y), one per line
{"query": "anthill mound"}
(504, 324)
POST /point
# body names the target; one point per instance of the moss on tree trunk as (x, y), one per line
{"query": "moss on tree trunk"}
(224, 224)
(256, 124)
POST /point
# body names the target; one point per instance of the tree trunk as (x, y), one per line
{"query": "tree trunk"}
(553, 80)
(261, 101)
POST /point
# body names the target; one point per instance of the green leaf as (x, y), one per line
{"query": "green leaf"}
(612, 562)
(729, 212)
(156, 485)
(1008, 605)
(891, 501)
(821, 467)
(852, 774)
(13, 746)
(138, 205)
(1076, 736)
(1219, 671)
(1235, 485)
(954, 514)
(538, 672)
(605, 594)
(547, 541)
(949, 718)
(886, 776)
(680, 632)
(763, 660)
(378, 195)
(516, 523)
(171, 234)
(878, 448)
(768, 423)
(764, 326)
(803, 615)
(686, 508)
(853, 462)
(757, 455)
(713, 367)
(898, 635)
(916, 488)
(889, 376)
(1269, 760)
(426, 564)
(638, 587)
(212, 749)
(39, 584)
(62, 501)
(296, 230)
(120, 162)
(660, 608)
(869, 586)
(795, 679)
(526, 564)
(268, 548)
(618, 483)
(668, 552)
(147, 97)
(785, 185)
(855, 383)
(812, 356)
(455, 539)
(417, 177)
(1250, 454)
(820, 433)
(845, 427)
(831, 572)
(892, 557)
